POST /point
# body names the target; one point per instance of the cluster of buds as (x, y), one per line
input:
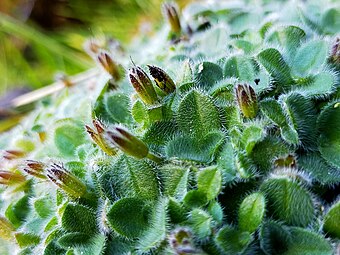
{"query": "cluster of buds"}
(247, 101)
(181, 242)
(286, 162)
(10, 178)
(130, 144)
(35, 168)
(98, 138)
(170, 13)
(66, 181)
(143, 85)
(162, 79)
(109, 65)
(6, 229)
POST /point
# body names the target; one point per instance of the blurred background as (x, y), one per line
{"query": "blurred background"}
(41, 37)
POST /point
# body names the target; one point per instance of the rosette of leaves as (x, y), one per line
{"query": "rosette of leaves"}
(221, 138)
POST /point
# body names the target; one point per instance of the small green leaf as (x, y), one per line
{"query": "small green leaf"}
(210, 181)
(250, 136)
(332, 221)
(195, 198)
(175, 181)
(232, 241)
(240, 67)
(331, 21)
(139, 113)
(27, 239)
(329, 140)
(156, 233)
(289, 201)
(216, 211)
(273, 62)
(185, 147)
(200, 222)
(289, 38)
(74, 240)
(17, 212)
(305, 242)
(321, 85)
(207, 74)
(194, 112)
(68, 135)
(275, 238)
(251, 212)
(78, 218)
(117, 107)
(310, 58)
(129, 217)
(43, 206)
(318, 169)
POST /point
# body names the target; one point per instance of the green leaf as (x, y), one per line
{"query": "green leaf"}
(289, 38)
(251, 212)
(321, 85)
(318, 169)
(139, 113)
(175, 181)
(310, 58)
(329, 140)
(74, 240)
(288, 201)
(200, 222)
(44, 207)
(129, 177)
(156, 233)
(27, 239)
(275, 238)
(210, 181)
(273, 111)
(216, 211)
(266, 151)
(302, 117)
(78, 218)
(160, 132)
(194, 112)
(240, 67)
(273, 62)
(250, 136)
(129, 217)
(195, 198)
(207, 74)
(176, 212)
(185, 147)
(17, 212)
(330, 21)
(305, 242)
(331, 223)
(68, 135)
(117, 106)
(232, 241)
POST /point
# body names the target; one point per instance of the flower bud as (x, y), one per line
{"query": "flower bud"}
(109, 65)
(247, 101)
(286, 162)
(13, 154)
(127, 142)
(171, 14)
(10, 178)
(162, 79)
(66, 181)
(35, 168)
(143, 85)
(98, 138)
(181, 241)
(6, 229)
